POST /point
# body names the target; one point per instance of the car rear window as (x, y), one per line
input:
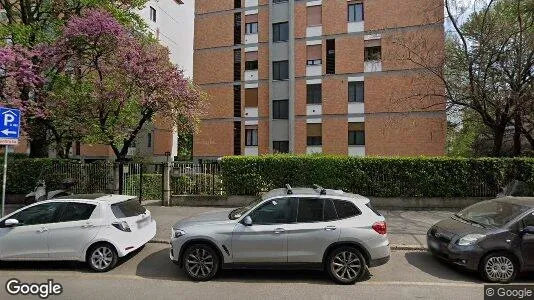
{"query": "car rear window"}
(373, 209)
(126, 209)
(346, 209)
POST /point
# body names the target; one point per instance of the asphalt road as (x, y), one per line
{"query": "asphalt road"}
(148, 274)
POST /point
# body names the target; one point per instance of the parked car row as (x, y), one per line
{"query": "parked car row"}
(304, 228)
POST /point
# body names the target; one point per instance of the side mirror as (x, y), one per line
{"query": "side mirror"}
(247, 221)
(12, 222)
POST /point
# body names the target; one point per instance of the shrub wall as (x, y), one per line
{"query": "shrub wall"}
(373, 176)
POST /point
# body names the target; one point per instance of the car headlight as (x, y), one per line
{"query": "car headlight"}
(470, 239)
(176, 233)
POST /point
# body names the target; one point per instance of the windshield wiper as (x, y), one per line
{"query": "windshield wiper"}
(471, 221)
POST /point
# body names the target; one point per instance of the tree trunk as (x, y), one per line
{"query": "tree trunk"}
(517, 134)
(498, 137)
(38, 142)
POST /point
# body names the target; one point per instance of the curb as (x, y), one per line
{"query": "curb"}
(392, 247)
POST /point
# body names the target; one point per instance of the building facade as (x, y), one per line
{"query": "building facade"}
(320, 76)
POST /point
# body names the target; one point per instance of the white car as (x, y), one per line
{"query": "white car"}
(97, 229)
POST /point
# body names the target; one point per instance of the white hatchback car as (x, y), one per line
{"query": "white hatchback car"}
(97, 229)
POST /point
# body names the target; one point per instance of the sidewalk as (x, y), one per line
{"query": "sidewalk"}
(406, 229)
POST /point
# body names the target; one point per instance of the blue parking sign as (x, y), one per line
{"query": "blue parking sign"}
(9, 126)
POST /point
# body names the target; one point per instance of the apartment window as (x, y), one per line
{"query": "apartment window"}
(314, 55)
(237, 64)
(237, 28)
(314, 93)
(355, 12)
(281, 70)
(281, 32)
(153, 14)
(280, 109)
(356, 91)
(237, 138)
(356, 134)
(279, 1)
(314, 134)
(314, 15)
(251, 137)
(78, 147)
(331, 56)
(251, 28)
(281, 147)
(149, 139)
(237, 3)
(237, 101)
(251, 97)
(373, 53)
(251, 60)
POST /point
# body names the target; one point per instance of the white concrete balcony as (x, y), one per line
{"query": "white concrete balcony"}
(315, 70)
(355, 26)
(312, 31)
(356, 150)
(314, 149)
(251, 3)
(251, 112)
(251, 75)
(314, 109)
(356, 108)
(372, 66)
(251, 151)
(251, 38)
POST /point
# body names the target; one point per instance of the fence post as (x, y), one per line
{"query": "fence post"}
(141, 183)
(121, 178)
(116, 178)
(166, 180)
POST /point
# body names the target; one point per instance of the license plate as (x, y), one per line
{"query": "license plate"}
(433, 245)
(143, 222)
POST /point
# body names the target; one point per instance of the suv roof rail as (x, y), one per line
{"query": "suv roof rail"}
(289, 190)
(320, 189)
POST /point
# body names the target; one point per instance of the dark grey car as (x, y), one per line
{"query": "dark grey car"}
(494, 238)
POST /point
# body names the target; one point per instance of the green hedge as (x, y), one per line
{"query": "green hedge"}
(373, 176)
(23, 173)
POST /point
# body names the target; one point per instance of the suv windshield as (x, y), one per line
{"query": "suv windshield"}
(491, 213)
(127, 209)
(238, 212)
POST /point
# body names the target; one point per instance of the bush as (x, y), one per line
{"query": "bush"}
(375, 176)
(23, 173)
(152, 189)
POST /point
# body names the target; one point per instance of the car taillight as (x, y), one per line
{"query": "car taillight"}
(123, 226)
(380, 227)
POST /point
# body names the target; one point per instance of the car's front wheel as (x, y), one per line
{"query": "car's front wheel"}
(201, 262)
(346, 265)
(102, 257)
(499, 267)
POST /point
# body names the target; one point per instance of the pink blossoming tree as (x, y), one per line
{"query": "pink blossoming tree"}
(131, 81)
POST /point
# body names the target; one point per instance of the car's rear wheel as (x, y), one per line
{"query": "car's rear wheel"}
(102, 257)
(346, 265)
(499, 267)
(201, 262)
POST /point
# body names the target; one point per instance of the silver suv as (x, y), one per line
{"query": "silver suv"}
(299, 228)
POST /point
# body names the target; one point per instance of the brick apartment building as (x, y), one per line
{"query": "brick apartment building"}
(312, 76)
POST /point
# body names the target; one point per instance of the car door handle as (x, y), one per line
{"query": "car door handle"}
(42, 230)
(330, 228)
(279, 230)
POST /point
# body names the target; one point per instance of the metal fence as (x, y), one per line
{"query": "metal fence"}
(196, 179)
(88, 178)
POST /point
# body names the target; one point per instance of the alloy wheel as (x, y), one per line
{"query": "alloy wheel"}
(200, 263)
(499, 268)
(346, 266)
(102, 257)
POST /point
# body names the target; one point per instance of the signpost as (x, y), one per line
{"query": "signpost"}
(9, 135)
